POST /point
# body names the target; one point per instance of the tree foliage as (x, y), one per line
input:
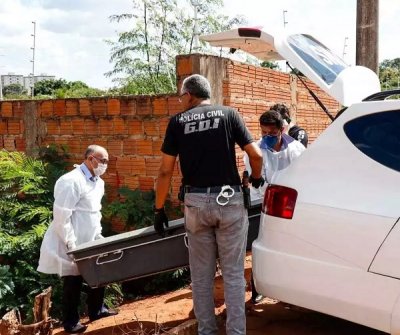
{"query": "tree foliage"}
(144, 57)
(61, 88)
(26, 197)
(389, 73)
(13, 90)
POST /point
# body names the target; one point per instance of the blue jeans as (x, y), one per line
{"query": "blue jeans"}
(214, 230)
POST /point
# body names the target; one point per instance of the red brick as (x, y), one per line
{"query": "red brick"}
(14, 127)
(78, 126)
(144, 147)
(120, 126)
(146, 183)
(9, 143)
(113, 107)
(144, 106)
(53, 127)
(20, 144)
(59, 107)
(184, 65)
(151, 128)
(18, 109)
(85, 107)
(72, 107)
(135, 127)
(74, 146)
(106, 127)
(3, 127)
(132, 182)
(152, 166)
(129, 147)
(46, 108)
(114, 147)
(99, 107)
(6, 109)
(65, 127)
(91, 127)
(160, 106)
(128, 106)
(157, 147)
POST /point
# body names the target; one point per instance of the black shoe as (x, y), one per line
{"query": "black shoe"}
(103, 314)
(78, 328)
(257, 299)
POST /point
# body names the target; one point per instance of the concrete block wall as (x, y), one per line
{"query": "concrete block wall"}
(132, 127)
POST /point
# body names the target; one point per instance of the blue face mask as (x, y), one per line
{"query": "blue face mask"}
(270, 141)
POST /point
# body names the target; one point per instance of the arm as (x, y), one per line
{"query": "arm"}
(164, 179)
(255, 158)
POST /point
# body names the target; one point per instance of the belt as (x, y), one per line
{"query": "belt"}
(211, 189)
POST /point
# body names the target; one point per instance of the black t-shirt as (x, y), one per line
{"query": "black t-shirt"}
(299, 134)
(204, 137)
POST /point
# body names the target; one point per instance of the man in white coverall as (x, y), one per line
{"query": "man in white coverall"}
(76, 220)
(278, 150)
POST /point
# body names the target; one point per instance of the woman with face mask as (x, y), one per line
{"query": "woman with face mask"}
(76, 220)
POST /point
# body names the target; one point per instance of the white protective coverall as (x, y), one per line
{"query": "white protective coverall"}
(274, 162)
(76, 220)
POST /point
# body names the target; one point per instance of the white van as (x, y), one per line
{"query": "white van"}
(329, 237)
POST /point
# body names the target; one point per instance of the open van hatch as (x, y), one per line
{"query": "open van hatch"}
(347, 84)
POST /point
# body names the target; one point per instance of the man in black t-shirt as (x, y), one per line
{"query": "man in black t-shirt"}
(204, 138)
(294, 131)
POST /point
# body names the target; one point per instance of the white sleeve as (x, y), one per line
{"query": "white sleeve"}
(66, 196)
(246, 161)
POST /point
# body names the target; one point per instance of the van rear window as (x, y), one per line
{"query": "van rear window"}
(377, 136)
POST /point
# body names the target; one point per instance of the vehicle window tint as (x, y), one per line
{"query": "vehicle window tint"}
(325, 63)
(377, 136)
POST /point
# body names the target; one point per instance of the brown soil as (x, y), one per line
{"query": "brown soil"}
(269, 317)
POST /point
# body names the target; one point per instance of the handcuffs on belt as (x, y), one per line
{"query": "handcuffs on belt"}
(226, 192)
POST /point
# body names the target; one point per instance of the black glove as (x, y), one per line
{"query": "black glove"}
(256, 182)
(160, 219)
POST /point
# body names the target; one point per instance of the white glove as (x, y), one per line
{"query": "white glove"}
(98, 237)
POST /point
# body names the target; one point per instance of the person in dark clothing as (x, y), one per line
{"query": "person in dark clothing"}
(294, 131)
(216, 221)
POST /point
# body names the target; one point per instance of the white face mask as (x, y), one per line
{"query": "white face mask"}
(100, 169)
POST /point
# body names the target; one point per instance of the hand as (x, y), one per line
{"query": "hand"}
(98, 237)
(160, 219)
(256, 182)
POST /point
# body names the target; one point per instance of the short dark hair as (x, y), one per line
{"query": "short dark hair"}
(271, 118)
(197, 86)
(283, 110)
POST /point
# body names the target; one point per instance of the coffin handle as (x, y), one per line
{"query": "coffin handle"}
(186, 240)
(98, 260)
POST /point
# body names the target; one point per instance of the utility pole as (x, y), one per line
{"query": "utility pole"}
(33, 59)
(367, 34)
(196, 43)
(344, 47)
(284, 19)
(1, 85)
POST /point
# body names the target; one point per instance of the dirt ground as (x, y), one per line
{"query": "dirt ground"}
(269, 317)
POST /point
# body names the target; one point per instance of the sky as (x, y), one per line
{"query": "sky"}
(71, 34)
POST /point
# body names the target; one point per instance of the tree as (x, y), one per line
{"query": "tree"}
(60, 88)
(389, 73)
(49, 86)
(145, 55)
(14, 90)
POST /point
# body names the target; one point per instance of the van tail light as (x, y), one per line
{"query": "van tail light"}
(279, 201)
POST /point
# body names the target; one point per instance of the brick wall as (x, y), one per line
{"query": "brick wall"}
(132, 127)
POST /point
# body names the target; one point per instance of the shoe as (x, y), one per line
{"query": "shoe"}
(103, 314)
(257, 299)
(78, 328)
